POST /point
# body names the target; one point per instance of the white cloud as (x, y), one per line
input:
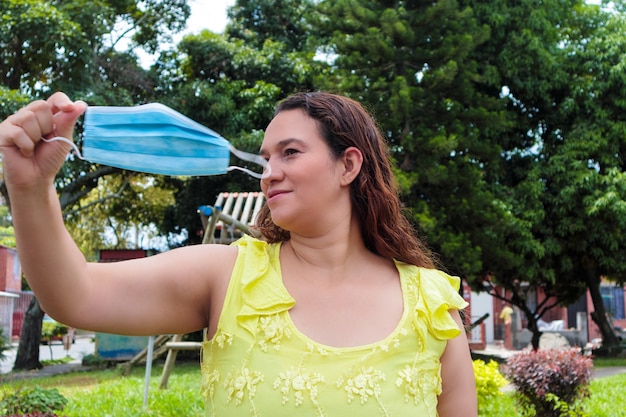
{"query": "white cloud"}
(208, 14)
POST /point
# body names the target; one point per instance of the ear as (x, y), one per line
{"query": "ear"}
(352, 160)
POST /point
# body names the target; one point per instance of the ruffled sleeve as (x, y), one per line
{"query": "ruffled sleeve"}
(436, 293)
(261, 290)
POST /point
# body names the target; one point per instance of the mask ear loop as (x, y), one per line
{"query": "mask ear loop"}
(69, 142)
(254, 158)
(65, 140)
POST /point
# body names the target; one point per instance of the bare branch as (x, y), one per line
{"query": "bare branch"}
(117, 194)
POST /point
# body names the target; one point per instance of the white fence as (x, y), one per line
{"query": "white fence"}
(7, 307)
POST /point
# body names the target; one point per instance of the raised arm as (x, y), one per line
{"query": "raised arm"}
(167, 293)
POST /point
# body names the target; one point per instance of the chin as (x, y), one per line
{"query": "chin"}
(283, 220)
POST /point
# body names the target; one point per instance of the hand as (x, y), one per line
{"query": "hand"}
(26, 159)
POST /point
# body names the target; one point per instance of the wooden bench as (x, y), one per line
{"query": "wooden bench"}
(175, 345)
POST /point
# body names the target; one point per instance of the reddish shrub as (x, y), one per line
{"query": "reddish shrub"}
(550, 380)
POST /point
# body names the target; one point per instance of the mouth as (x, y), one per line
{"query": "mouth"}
(274, 193)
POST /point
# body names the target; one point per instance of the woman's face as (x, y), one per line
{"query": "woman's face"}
(304, 181)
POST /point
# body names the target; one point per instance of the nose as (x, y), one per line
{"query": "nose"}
(271, 172)
(267, 169)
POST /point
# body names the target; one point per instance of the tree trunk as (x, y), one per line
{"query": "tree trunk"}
(30, 338)
(534, 328)
(531, 317)
(519, 299)
(599, 316)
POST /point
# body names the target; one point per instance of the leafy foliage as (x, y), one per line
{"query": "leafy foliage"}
(289, 22)
(7, 233)
(52, 330)
(34, 401)
(489, 382)
(11, 101)
(552, 382)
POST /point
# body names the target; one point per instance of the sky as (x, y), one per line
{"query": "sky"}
(208, 14)
(205, 14)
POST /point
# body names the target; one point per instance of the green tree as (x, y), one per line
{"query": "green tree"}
(529, 72)
(584, 165)
(75, 47)
(415, 65)
(560, 67)
(290, 22)
(420, 68)
(47, 45)
(105, 220)
(412, 63)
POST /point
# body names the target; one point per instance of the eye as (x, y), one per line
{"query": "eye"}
(290, 151)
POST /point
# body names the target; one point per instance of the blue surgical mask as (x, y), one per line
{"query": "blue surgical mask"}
(155, 139)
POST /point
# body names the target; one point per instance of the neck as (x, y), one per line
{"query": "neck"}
(333, 250)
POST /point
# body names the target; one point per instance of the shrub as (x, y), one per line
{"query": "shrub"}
(489, 380)
(551, 382)
(51, 330)
(34, 401)
(93, 361)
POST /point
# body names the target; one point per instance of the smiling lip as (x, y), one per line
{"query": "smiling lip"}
(272, 194)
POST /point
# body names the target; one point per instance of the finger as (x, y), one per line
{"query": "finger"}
(38, 112)
(14, 136)
(35, 122)
(24, 128)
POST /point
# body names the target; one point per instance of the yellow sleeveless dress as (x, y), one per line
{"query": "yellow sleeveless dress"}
(258, 363)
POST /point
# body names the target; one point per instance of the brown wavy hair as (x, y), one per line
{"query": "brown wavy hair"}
(343, 123)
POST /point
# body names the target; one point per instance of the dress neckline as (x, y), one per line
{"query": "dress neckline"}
(387, 340)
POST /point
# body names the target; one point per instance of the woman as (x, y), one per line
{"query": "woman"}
(338, 310)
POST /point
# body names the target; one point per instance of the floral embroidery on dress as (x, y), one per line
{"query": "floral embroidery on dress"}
(394, 342)
(271, 329)
(238, 384)
(364, 384)
(417, 382)
(316, 349)
(298, 381)
(223, 338)
(210, 378)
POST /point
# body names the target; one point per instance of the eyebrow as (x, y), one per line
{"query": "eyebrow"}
(282, 144)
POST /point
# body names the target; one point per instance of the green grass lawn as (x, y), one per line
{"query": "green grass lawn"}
(606, 400)
(604, 362)
(106, 393)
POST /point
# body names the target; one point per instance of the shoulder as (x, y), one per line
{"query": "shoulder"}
(430, 280)
(217, 262)
(434, 295)
(253, 251)
(207, 257)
